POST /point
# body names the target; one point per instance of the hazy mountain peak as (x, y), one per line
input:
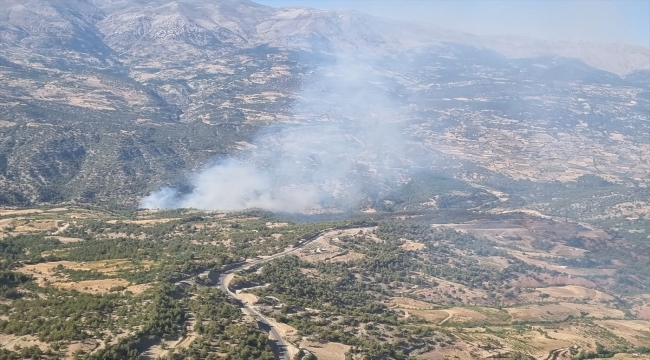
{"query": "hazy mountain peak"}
(150, 28)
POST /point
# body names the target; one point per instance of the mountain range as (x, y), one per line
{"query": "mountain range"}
(103, 101)
(109, 32)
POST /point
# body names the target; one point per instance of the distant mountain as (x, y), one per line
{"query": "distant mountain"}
(90, 31)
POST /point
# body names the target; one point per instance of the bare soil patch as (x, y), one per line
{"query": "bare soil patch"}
(326, 351)
(65, 240)
(406, 303)
(248, 298)
(322, 249)
(630, 356)
(271, 225)
(498, 262)
(345, 257)
(9, 341)
(4, 123)
(138, 288)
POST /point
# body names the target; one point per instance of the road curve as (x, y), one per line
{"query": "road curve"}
(281, 352)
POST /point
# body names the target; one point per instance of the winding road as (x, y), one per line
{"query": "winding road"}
(224, 280)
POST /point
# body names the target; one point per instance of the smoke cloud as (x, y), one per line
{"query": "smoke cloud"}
(349, 146)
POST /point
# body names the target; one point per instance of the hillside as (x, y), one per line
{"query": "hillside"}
(87, 283)
(105, 101)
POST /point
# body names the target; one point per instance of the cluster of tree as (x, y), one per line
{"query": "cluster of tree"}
(61, 315)
(345, 301)
(32, 352)
(542, 245)
(125, 349)
(219, 323)
(449, 192)
(441, 259)
(164, 314)
(9, 282)
(25, 248)
(601, 353)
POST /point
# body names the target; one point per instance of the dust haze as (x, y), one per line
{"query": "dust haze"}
(350, 146)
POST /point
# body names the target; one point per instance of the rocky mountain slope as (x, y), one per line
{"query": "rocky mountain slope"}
(103, 101)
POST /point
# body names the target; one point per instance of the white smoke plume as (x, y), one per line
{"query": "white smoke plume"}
(348, 145)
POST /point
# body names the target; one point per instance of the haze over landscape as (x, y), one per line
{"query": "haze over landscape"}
(229, 179)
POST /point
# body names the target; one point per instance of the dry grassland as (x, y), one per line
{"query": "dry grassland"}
(464, 315)
(560, 312)
(546, 279)
(13, 211)
(144, 222)
(630, 357)
(574, 292)
(435, 317)
(643, 312)
(538, 259)
(45, 273)
(101, 286)
(345, 257)
(409, 245)
(158, 350)
(633, 209)
(23, 226)
(636, 332)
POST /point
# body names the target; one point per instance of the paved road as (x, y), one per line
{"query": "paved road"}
(281, 350)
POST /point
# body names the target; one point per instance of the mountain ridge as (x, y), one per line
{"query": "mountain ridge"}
(187, 25)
